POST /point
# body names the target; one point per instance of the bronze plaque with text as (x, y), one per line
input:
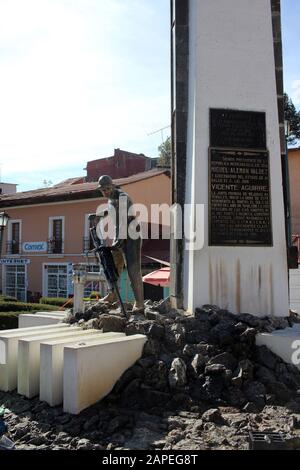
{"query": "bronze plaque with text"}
(239, 200)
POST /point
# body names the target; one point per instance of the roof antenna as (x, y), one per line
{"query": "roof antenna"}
(161, 131)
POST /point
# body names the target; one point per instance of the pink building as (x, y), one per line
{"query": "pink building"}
(48, 231)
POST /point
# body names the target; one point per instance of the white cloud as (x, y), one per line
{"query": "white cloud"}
(73, 84)
(296, 92)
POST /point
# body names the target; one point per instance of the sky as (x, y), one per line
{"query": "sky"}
(79, 78)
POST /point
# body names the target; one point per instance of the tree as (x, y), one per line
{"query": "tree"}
(293, 116)
(165, 153)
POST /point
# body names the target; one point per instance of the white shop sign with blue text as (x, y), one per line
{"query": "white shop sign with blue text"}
(34, 247)
(14, 261)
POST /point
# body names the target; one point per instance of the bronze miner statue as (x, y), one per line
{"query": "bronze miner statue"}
(124, 247)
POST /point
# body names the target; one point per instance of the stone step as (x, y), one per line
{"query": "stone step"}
(32, 328)
(284, 343)
(53, 314)
(34, 319)
(9, 350)
(51, 363)
(91, 370)
(29, 359)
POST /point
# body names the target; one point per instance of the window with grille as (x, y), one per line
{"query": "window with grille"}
(57, 281)
(88, 244)
(94, 286)
(15, 281)
(15, 238)
(55, 244)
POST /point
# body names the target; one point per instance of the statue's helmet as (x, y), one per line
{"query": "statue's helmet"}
(105, 181)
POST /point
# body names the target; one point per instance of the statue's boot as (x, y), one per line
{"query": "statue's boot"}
(138, 307)
(110, 297)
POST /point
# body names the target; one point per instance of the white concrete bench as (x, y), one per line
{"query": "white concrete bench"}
(53, 314)
(31, 319)
(29, 359)
(32, 328)
(284, 343)
(91, 370)
(9, 351)
(51, 363)
(294, 285)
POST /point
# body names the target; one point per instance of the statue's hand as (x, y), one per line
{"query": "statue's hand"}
(92, 217)
(117, 244)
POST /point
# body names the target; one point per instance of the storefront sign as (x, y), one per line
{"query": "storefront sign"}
(14, 261)
(34, 247)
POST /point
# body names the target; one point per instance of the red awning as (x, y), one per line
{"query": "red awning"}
(161, 277)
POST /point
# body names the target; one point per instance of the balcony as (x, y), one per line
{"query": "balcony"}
(55, 246)
(13, 247)
(87, 244)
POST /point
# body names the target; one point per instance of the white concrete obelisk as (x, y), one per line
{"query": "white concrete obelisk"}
(233, 164)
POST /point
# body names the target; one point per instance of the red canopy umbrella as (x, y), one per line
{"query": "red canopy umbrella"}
(160, 277)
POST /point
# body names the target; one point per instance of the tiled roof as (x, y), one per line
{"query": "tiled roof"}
(79, 179)
(69, 191)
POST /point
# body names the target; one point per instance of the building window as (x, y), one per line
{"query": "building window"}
(93, 286)
(56, 278)
(15, 281)
(14, 237)
(15, 230)
(88, 244)
(56, 231)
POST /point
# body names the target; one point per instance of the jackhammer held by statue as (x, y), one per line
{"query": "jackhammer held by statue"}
(106, 260)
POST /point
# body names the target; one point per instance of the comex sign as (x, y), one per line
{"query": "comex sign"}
(34, 247)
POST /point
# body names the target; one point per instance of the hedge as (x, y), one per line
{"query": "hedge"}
(9, 320)
(8, 298)
(60, 301)
(24, 307)
(94, 296)
(57, 301)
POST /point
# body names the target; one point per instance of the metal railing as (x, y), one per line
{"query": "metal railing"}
(55, 245)
(87, 244)
(296, 241)
(13, 247)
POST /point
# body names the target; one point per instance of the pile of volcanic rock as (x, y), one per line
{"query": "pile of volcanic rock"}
(201, 383)
(210, 357)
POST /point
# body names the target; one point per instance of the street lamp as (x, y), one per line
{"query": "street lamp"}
(3, 222)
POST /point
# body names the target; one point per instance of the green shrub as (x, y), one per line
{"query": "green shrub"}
(24, 307)
(8, 298)
(94, 296)
(57, 301)
(9, 320)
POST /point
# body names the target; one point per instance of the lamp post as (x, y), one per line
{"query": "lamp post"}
(3, 222)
